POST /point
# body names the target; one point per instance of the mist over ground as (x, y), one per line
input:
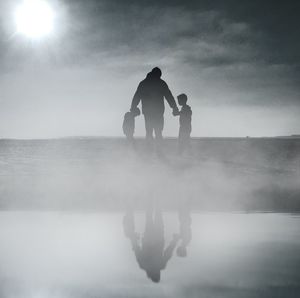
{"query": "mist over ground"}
(245, 174)
(87, 217)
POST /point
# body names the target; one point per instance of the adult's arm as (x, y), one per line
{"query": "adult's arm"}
(139, 255)
(136, 98)
(169, 97)
(169, 252)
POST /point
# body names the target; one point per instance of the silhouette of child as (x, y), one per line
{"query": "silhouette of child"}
(129, 123)
(185, 123)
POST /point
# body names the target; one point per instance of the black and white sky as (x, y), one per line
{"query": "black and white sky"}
(237, 60)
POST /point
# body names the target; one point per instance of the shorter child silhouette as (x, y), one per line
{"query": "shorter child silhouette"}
(129, 123)
(185, 123)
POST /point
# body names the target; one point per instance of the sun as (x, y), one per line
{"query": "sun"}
(34, 18)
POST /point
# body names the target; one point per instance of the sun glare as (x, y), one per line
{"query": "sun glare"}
(34, 18)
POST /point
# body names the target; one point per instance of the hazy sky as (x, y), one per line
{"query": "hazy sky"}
(238, 61)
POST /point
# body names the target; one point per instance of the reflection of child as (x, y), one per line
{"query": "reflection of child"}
(129, 123)
(185, 230)
(185, 122)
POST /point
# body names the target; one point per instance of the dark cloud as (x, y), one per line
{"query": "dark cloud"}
(271, 28)
(251, 30)
(209, 33)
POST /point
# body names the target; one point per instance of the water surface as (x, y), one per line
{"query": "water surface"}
(56, 254)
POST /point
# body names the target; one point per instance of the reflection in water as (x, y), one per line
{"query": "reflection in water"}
(85, 255)
(185, 229)
(150, 250)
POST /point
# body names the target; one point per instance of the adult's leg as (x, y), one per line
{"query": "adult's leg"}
(149, 127)
(158, 127)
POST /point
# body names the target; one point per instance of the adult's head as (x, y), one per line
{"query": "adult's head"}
(156, 72)
(154, 275)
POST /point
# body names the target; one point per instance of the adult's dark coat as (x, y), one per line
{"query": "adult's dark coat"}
(151, 92)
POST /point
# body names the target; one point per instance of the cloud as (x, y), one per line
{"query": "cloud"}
(235, 54)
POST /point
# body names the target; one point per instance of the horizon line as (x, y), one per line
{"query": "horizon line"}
(295, 136)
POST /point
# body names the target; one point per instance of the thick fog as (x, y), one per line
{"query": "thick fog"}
(85, 212)
(218, 174)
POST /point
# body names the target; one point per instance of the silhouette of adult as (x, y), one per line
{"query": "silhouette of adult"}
(151, 92)
(150, 251)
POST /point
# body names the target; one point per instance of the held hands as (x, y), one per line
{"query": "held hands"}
(135, 111)
(175, 112)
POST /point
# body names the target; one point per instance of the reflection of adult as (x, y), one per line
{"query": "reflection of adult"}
(151, 92)
(150, 252)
